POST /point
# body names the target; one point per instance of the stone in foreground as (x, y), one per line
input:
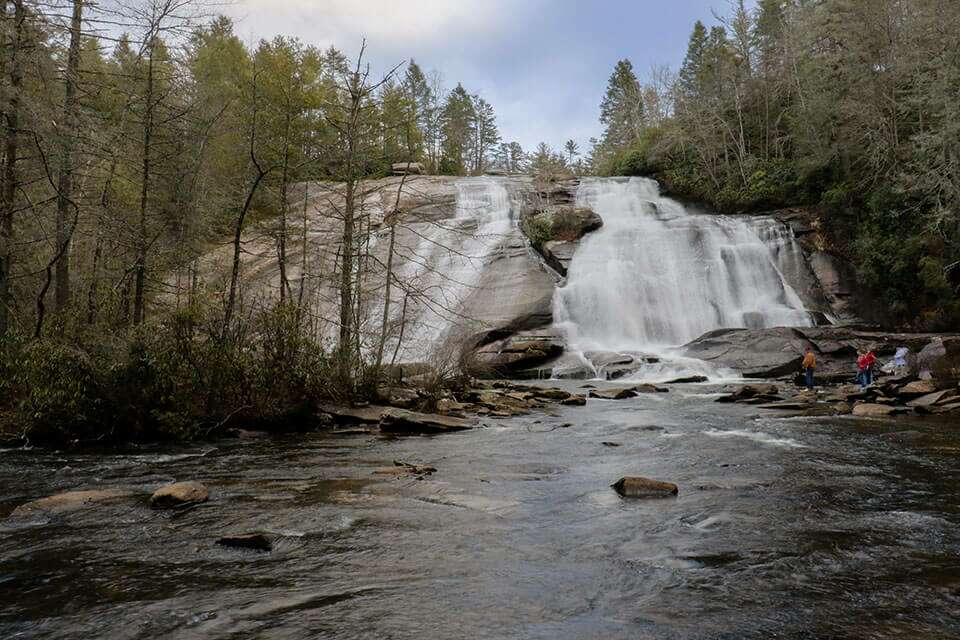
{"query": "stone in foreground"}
(255, 541)
(638, 487)
(69, 501)
(179, 494)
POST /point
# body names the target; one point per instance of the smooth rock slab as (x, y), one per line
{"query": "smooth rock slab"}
(639, 487)
(917, 388)
(179, 494)
(868, 410)
(401, 421)
(68, 501)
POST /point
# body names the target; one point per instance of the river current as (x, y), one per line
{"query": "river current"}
(786, 528)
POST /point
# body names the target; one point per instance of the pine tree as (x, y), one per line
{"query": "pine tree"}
(458, 119)
(622, 108)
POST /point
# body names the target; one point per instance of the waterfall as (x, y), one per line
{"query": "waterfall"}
(445, 263)
(658, 275)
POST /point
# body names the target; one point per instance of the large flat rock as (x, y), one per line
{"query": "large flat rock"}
(778, 351)
(515, 292)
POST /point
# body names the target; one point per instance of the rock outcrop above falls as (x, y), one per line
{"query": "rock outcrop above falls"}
(555, 231)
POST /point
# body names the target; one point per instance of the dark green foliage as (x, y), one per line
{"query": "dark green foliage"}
(176, 378)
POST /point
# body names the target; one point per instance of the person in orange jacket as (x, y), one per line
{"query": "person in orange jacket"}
(809, 365)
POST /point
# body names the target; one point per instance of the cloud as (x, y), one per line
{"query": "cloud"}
(389, 23)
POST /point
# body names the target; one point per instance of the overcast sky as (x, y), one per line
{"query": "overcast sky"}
(543, 64)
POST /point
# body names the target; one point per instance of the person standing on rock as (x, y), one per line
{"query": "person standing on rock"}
(809, 365)
(871, 360)
(865, 360)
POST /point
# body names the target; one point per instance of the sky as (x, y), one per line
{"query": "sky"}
(542, 64)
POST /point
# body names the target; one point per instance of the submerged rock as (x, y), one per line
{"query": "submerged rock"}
(179, 494)
(405, 468)
(650, 388)
(688, 380)
(69, 501)
(639, 487)
(255, 541)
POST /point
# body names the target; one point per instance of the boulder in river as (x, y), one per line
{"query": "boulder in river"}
(871, 410)
(255, 541)
(524, 350)
(401, 421)
(574, 401)
(639, 487)
(614, 393)
(650, 388)
(69, 501)
(752, 394)
(179, 494)
(688, 380)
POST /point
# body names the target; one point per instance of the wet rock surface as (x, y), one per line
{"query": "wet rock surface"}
(179, 494)
(69, 501)
(639, 487)
(252, 541)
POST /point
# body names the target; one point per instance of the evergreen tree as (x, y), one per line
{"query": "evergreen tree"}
(458, 120)
(621, 110)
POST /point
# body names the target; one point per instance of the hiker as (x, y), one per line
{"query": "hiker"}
(865, 362)
(809, 365)
(900, 361)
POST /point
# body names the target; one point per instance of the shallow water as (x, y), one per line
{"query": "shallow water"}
(787, 528)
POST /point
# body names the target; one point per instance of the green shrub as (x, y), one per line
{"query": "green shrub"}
(59, 389)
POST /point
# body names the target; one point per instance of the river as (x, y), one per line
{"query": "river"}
(787, 528)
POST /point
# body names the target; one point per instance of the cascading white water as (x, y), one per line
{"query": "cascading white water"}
(657, 275)
(447, 262)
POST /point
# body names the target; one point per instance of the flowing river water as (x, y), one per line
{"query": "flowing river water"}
(786, 528)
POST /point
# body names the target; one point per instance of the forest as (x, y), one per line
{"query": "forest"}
(849, 107)
(139, 136)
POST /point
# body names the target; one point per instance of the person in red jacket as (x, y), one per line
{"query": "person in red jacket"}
(865, 363)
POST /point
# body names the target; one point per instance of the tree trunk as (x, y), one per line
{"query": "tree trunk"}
(68, 142)
(8, 201)
(282, 240)
(141, 265)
